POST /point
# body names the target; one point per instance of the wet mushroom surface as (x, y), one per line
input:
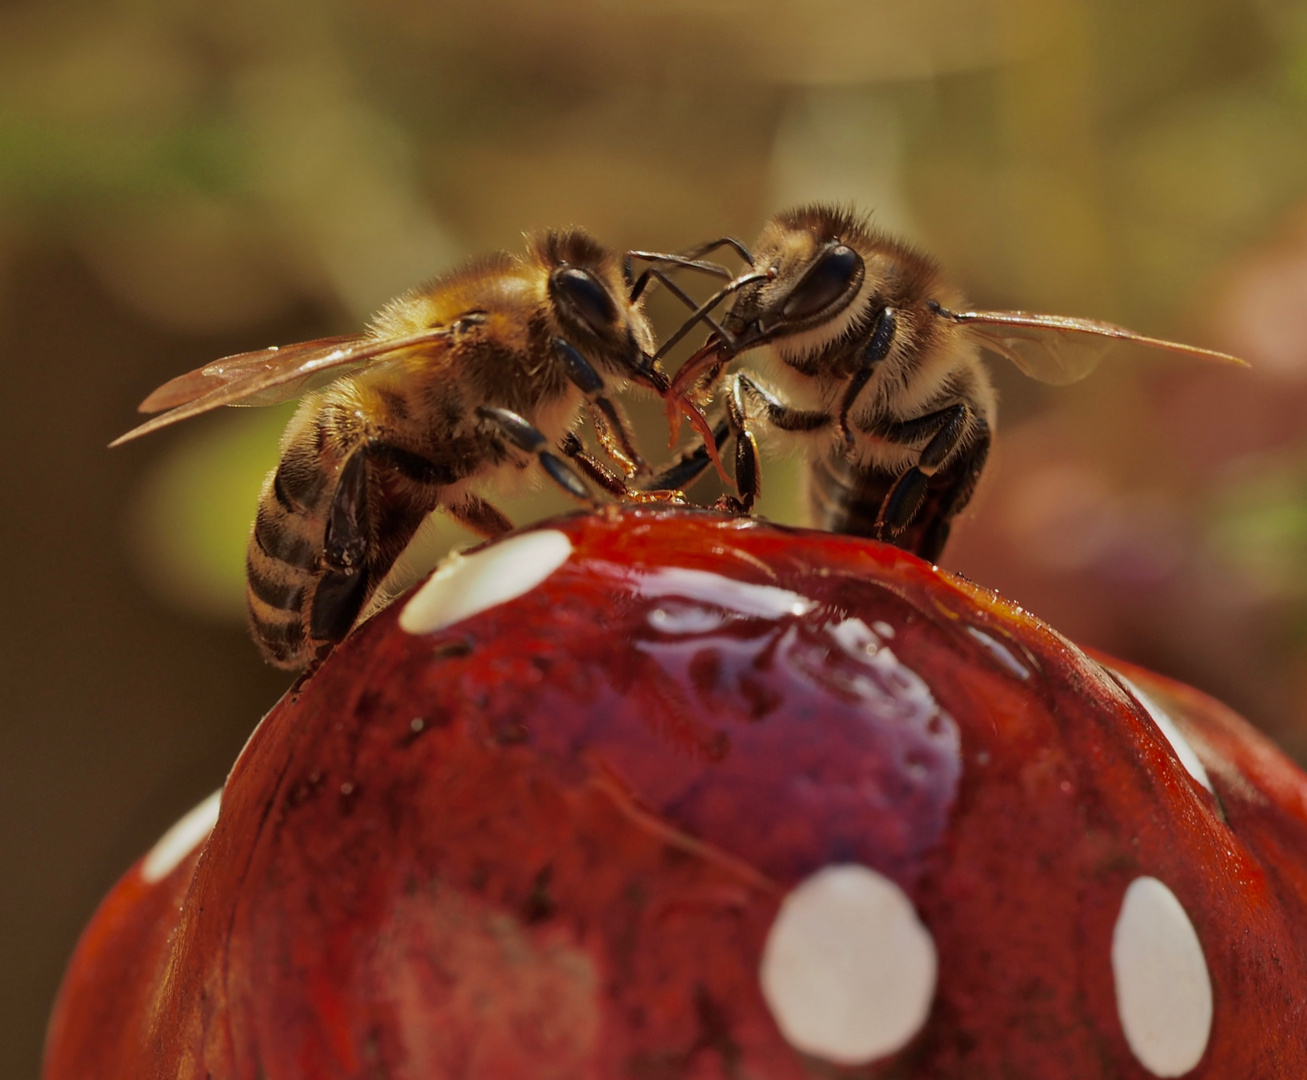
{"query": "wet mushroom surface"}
(666, 793)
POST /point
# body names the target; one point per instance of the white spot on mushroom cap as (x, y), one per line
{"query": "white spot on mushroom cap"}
(1000, 652)
(1163, 991)
(466, 585)
(1182, 747)
(179, 841)
(848, 969)
(738, 597)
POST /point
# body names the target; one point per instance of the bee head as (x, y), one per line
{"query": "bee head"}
(587, 291)
(815, 258)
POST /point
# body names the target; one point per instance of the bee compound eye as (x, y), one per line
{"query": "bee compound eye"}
(825, 281)
(585, 297)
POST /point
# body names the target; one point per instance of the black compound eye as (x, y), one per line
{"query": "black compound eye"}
(586, 298)
(825, 282)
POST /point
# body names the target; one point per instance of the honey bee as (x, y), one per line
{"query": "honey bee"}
(878, 361)
(456, 388)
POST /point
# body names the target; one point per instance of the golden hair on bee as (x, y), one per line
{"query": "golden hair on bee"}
(457, 389)
(869, 358)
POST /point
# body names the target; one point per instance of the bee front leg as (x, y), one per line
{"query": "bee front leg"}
(610, 424)
(690, 465)
(411, 466)
(873, 355)
(527, 437)
(779, 413)
(748, 477)
(746, 391)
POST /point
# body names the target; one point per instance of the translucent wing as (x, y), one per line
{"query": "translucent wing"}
(267, 376)
(1059, 349)
(243, 371)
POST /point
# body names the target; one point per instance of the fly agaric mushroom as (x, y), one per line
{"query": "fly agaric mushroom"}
(662, 793)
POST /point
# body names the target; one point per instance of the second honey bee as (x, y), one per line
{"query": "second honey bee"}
(457, 387)
(871, 358)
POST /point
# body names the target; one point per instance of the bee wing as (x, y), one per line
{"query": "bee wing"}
(243, 370)
(266, 376)
(1059, 349)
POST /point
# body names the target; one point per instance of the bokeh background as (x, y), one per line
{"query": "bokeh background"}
(180, 180)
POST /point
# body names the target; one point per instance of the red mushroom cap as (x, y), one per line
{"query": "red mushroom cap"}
(660, 793)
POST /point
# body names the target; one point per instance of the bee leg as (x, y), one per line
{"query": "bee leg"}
(348, 552)
(596, 471)
(876, 350)
(527, 437)
(482, 518)
(748, 478)
(901, 504)
(743, 389)
(779, 414)
(689, 466)
(610, 424)
(905, 497)
(969, 465)
(343, 587)
(601, 475)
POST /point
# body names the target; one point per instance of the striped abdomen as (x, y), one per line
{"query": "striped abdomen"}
(303, 590)
(283, 564)
(846, 498)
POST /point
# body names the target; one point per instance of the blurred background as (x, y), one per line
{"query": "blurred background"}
(183, 180)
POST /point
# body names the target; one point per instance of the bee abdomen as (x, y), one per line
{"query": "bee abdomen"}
(284, 536)
(282, 569)
(846, 498)
(279, 636)
(298, 482)
(300, 596)
(278, 588)
(843, 498)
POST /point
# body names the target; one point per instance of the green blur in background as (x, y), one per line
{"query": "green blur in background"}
(181, 180)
